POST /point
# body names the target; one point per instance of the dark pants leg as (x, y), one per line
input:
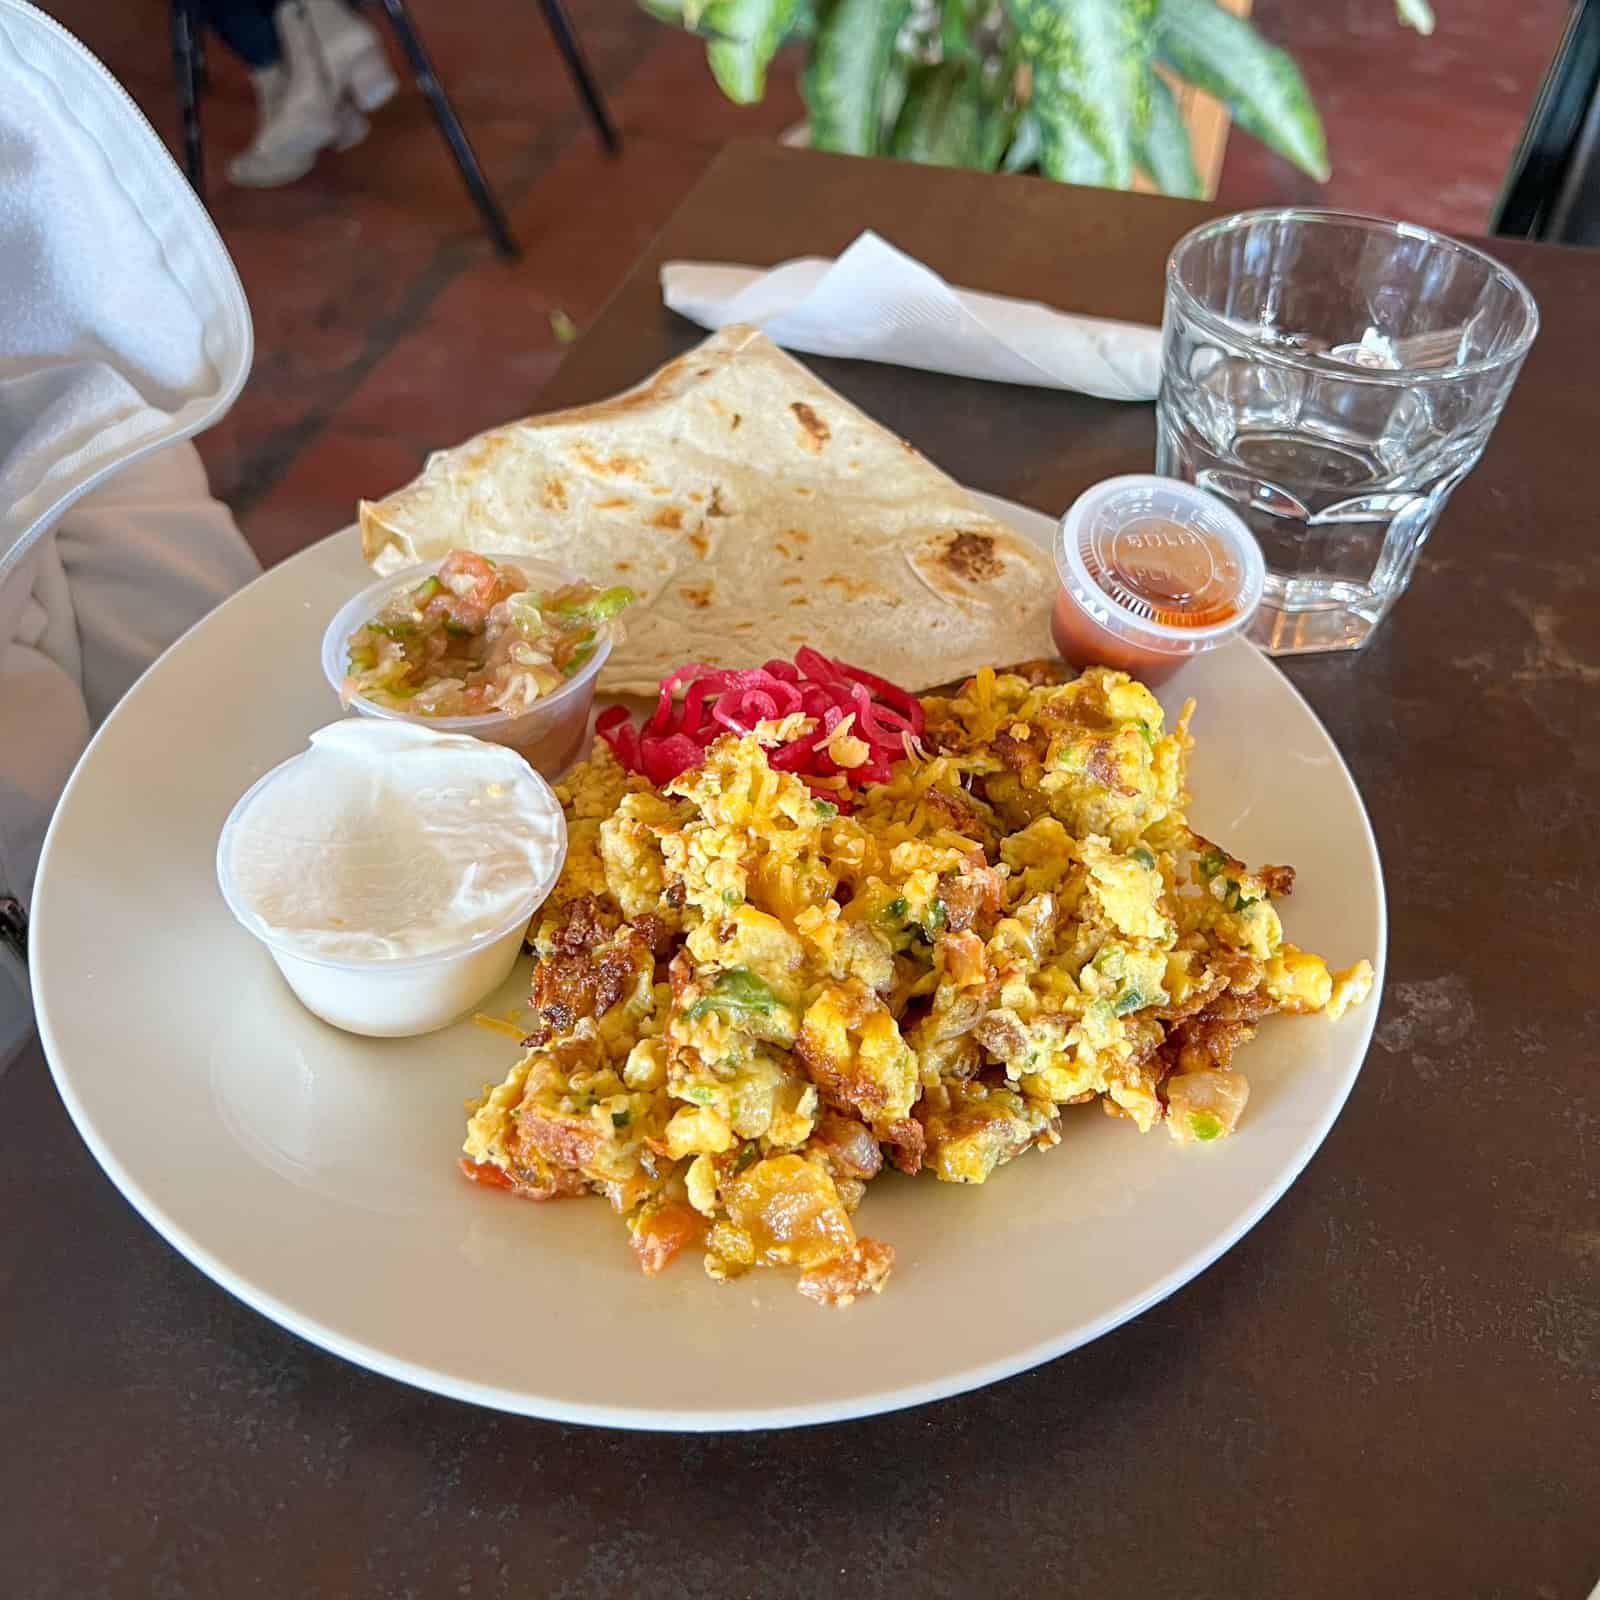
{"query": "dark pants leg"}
(246, 27)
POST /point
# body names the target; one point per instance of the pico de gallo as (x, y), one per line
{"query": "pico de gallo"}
(475, 637)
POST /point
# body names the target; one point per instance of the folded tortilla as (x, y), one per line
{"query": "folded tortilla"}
(753, 510)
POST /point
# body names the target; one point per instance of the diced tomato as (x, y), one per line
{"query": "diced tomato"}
(662, 1234)
(486, 1172)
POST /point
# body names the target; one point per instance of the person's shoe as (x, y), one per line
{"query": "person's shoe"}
(350, 127)
(356, 59)
(297, 108)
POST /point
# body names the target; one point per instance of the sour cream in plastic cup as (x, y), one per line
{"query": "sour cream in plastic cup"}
(392, 872)
(1153, 573)
(548, 735)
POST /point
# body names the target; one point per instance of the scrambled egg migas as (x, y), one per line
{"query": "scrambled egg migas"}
(747, 1001)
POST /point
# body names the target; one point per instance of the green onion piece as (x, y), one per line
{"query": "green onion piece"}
(1145, 733)
(621, 1119)
(826, 809)
(1128, 1000)
(1204, 1126)
(1142, 856)
(1212, 862)
(737, 989)
(937, 916)
(895, 910)
(1237, 899)
(746, 1156)
(402, 628)
(426, 590)
(600, 607)
(576, 660)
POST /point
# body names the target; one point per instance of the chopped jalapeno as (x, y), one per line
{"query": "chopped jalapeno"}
(736, 990)
(1204, 1126)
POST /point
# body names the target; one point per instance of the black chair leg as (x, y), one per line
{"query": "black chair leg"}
(572, 53)
(187, 70)
(455, 135)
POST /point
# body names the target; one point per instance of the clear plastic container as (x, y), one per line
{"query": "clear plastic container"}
(395, 998)
(1153, 573)
(549, 734)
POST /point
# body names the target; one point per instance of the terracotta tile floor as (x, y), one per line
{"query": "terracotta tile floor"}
(385, 325)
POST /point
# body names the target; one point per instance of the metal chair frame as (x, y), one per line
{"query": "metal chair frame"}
(189, 71)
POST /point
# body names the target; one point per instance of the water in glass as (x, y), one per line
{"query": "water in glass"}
(1334, 377)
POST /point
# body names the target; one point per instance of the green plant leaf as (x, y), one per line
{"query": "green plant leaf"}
(955, 30)
(941, 122)
(1416, 14)
(851, 57)
(1165, 149)
(690, 15)
(1090, 84)
(1260, 84)
(748, 33)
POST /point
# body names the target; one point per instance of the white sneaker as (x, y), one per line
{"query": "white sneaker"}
(350, 127)
(297, 110)
(357, 61)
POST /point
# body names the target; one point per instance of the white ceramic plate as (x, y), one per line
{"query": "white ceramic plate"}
(313, 1174)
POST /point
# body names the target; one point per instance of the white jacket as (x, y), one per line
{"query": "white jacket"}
(123, 332)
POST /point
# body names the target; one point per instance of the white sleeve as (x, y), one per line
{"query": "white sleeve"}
(145, 558)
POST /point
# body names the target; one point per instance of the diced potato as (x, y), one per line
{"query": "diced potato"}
(1202, 1106)
(791, 1211)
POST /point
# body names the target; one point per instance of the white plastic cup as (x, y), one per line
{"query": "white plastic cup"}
(389, 998)
(548, 735)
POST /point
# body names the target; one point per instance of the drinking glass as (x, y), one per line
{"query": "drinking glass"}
(1333, 376)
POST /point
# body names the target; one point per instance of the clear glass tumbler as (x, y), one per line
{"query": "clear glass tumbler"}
(1334, 376)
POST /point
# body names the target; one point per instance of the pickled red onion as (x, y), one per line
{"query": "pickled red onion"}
(714, 701)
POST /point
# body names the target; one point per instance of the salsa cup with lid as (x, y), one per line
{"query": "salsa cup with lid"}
(1153, 573)
(548, 733)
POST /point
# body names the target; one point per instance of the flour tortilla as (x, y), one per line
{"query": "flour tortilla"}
(753, 510)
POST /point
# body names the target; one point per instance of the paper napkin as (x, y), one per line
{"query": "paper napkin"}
(875, 303)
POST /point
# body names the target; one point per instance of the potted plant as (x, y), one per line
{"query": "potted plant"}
(1081, 90)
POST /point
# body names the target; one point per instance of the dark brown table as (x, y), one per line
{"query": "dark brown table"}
(1387, 1389)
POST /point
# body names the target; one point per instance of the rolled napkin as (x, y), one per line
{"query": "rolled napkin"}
(875, 303)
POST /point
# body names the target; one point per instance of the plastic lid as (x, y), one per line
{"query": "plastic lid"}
(1159, 564)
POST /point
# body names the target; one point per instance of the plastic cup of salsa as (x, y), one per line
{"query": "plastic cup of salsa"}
(1153, 573)
(548, 735)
